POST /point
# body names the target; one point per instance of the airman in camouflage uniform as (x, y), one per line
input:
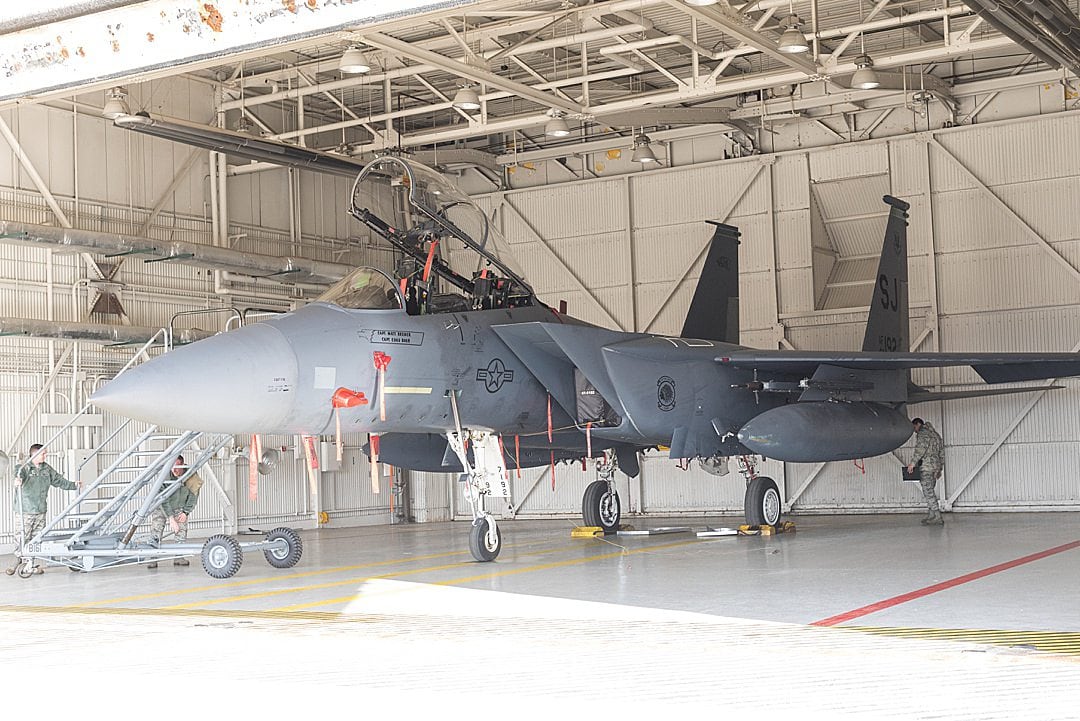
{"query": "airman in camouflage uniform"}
(930, 449)
(175, 509)
(32, 481)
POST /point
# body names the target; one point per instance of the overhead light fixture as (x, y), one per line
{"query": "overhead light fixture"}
(864, 78)
(643, 152)
(245, 126)
(793, 40)
(556, 127)
(467, 99)
(116, 105)
(701, 3)
(353, 61)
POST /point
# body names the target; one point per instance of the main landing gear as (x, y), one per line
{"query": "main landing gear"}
(600, 504)
(762, 501)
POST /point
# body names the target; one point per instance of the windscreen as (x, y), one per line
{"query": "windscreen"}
(363, 289)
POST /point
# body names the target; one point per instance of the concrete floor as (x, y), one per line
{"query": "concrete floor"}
(623, 602)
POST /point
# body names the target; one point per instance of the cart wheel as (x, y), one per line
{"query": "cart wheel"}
(222, 556)
(26, 569)
(290, 555)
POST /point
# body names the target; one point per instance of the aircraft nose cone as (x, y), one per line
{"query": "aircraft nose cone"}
(243, 381)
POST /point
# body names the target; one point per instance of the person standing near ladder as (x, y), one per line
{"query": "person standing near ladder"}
(33, 480)
(175, 509)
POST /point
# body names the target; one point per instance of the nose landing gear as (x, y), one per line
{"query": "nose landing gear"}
(485, 476)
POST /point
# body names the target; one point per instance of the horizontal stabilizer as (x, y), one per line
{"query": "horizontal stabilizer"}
(923, 396)
(992, 367)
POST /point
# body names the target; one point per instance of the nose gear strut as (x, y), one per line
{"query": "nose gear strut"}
(485, 476)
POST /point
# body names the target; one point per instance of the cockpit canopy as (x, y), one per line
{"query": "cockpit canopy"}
(364, 289)
(446, 233)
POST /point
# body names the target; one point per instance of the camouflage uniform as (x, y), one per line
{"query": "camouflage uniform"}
(34, 491)
(930, 449)
(182, 501)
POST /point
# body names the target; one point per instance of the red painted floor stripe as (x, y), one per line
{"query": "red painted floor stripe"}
(975, 575)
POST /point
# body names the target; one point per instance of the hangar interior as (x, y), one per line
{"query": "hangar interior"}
(599, 138)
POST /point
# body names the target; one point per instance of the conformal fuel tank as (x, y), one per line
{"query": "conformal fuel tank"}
(824, 431)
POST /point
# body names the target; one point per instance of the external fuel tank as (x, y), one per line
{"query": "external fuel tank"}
(826, 431)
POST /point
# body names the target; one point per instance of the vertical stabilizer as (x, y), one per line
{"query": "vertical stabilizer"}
(714, 311)
(887, 326)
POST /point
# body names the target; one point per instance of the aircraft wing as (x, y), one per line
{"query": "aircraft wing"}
(991, 367)
(241, 145)
(919, 395)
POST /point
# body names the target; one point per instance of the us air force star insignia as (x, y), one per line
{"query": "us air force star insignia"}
(494, 375)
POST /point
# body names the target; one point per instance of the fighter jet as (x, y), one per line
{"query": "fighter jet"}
(455, 365)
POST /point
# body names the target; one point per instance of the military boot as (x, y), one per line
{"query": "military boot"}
(934, 519)
(11, 571)
(181, 562)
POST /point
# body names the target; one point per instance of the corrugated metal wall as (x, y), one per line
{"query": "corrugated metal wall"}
(993, 284)
(624, 252)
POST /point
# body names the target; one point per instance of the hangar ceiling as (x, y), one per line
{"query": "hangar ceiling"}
(610, 70)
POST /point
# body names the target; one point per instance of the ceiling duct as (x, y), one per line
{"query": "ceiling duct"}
(1046, 28)
(282, 270)
(244, 146)
(93, 332)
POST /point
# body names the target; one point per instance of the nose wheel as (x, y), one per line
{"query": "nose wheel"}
(485, 540)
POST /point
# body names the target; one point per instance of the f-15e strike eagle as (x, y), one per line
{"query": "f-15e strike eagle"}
(461, 368)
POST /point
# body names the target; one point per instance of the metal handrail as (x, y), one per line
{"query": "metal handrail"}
(101, 445)
(164, 332)
(97, 481)
(154, 469)
(234, 314)
(82, 411)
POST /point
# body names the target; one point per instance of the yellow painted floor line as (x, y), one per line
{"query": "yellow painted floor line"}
(1066, 642)
(570, 562)
(346, 582)
(506, 572)
(191, 613)
(283, 577)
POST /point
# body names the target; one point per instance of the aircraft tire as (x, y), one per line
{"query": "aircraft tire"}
(478, 543)
(288, 557)
(762, 502)
(599, 507)
(222, 556)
